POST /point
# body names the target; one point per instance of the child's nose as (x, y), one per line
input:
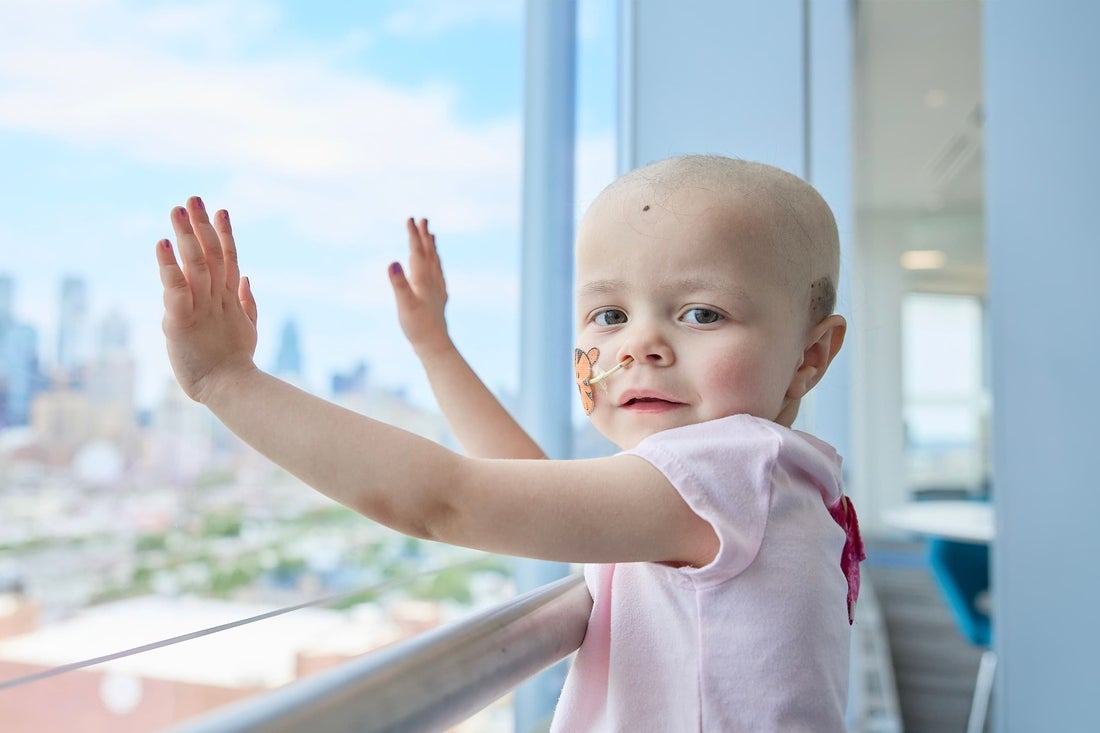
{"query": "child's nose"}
(646, 343)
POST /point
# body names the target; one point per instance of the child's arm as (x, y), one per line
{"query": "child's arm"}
(615, 509)
(481, 424)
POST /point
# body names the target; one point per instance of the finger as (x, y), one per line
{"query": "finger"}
(430, 274)
(247, 299)
(416, 246)
(210, 243)
(428, 250)
(178, 301)
(401, 288)
(419, 261)
(229, 251)
(423, 261)
(192, 258)
(427, 240)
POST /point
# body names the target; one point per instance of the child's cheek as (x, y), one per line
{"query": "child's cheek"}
(735, 385)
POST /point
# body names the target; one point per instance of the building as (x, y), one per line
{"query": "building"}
(288, 360)
(72, 328)
(19, 370)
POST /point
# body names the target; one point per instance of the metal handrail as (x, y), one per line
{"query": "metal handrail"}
(427, 683)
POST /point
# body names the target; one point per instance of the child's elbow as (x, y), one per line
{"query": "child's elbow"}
(431, 519)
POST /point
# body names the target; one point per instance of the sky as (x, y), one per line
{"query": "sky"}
(320, 126)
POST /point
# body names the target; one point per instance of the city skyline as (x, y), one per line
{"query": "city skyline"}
(79, 341)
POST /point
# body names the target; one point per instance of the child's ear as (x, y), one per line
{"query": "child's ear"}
(824, 342)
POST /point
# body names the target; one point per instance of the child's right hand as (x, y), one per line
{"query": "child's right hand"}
(422, 295)
(209, 311)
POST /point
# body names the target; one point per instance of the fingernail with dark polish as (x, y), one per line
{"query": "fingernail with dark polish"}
(395, 268)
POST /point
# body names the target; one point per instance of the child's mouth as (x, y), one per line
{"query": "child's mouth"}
(650, 404)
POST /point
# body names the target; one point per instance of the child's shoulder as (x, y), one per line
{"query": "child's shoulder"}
(725, 444)
(734, 442)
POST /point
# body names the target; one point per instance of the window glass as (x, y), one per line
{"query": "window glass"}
(129, 514)
(945, 395)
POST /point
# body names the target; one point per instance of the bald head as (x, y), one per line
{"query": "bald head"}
(797, 222)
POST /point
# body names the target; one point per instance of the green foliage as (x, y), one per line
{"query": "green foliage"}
(215, 477)
(335, 514)
(354, 600)
(226, 580)
(152, 542)
(289, 565)
(453, 584)
(222, 524)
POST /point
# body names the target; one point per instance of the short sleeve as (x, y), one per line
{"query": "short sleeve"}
(724, 470)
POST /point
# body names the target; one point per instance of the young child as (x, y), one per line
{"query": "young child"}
(705, 290)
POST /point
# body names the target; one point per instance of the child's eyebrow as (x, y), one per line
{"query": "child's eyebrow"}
(694, 284)
(601, 287)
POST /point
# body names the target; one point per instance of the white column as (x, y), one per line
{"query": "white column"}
(546, 336)
(877, 287)
(1042, 158)
(829, 29)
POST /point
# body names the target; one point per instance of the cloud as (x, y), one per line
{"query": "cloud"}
(366, 288)
(431, 17)
(191, 85)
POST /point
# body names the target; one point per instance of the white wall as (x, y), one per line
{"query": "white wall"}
(877, 288)
(1042, 98)
(709, 76)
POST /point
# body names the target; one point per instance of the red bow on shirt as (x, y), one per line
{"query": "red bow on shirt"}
(853, 554)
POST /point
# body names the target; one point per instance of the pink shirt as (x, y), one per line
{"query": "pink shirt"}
(755, 641)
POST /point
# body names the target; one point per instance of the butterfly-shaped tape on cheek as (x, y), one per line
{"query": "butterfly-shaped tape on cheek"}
(584, 366)
(588, 374)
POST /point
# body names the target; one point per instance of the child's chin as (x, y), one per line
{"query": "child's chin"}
(629, 439)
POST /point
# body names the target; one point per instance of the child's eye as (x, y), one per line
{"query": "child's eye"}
(702, 316)
(610, 317)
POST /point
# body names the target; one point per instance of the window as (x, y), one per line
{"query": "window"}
(945, 394)
(129, 514)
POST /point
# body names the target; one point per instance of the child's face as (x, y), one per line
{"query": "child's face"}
(692, 287)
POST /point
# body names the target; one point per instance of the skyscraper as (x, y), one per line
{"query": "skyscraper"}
(353, 381)
(288, 361)
(19, 373)
(7, 292)
(110, 373)
(72, 332)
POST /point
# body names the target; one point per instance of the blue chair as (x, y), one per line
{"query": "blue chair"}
(962, 571)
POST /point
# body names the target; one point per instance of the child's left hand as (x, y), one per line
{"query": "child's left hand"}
(422, 294)
(209, 311)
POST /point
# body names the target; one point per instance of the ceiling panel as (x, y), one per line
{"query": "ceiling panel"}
(918, 132)
(918, 114)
